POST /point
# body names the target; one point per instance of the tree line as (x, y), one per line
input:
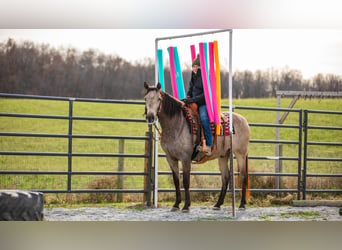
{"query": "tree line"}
(39, 69)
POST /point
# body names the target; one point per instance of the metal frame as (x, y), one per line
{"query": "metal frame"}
(230, 80)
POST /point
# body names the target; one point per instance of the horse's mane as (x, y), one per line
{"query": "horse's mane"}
(171, 106)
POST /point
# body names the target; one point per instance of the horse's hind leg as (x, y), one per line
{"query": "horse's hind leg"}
(223, 163)
(242, 164)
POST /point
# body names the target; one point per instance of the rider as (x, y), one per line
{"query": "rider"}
(195, 94)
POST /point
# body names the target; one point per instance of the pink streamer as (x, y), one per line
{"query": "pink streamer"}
(173, 72)
(213, 83)
(193, 52)
(205, 82)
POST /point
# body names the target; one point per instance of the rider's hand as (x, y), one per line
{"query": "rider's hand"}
(186, 100)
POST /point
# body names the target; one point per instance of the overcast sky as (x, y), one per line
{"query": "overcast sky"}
(311, 51)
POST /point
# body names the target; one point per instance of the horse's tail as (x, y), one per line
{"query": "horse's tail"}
(248, 193)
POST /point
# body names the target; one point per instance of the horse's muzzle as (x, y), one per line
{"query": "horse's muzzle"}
(150, 118)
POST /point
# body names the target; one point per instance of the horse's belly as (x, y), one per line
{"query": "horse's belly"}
(179, 152)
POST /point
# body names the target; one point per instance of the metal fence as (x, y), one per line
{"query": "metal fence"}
(70, 154)
(295, 155)
(255, 159)
(310, 158)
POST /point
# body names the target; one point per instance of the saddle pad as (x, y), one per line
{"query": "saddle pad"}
(224, 131)
(193, 121)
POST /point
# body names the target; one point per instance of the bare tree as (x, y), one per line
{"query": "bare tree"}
(31, 68)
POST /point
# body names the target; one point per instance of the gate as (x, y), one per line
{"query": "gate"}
(320, 151)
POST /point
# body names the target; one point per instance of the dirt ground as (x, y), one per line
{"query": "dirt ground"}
(197, 213)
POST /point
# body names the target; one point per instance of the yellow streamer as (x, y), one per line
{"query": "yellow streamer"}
(218, 83)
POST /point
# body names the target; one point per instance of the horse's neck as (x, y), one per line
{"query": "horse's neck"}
(171, 127)
(171, 116)
(166, 122)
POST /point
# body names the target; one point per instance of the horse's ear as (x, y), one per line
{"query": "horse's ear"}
(146, 85)
(158, 85)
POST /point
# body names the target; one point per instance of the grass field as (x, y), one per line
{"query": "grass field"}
(81, 127)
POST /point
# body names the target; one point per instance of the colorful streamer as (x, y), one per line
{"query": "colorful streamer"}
(213, 83)
(173, 72)
(161, 68)
(205, 82)
(179, 77)
(218, 78)
(207, 70)
(193, 52)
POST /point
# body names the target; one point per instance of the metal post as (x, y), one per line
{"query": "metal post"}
(230, 87)
(71, 101)
(231, 175)
(305, 128)
(277, 167)
(148, 166)
(155, 189)
(120, 183)
(300, 133)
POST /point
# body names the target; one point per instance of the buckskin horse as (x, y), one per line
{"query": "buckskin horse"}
(177, 141)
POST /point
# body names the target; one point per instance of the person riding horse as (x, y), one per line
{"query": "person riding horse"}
(195, 94)
(178, 145)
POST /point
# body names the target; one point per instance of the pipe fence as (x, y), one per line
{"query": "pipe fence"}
(10, 172)
(70, 158)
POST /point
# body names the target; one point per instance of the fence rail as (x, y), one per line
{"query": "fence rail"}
(302, 159)
(70, 173)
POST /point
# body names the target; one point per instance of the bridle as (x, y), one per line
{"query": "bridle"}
(158, 130)
(155, 122)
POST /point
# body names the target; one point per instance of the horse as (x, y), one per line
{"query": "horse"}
(178, 145)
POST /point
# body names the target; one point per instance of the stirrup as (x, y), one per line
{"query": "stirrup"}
(207, 151)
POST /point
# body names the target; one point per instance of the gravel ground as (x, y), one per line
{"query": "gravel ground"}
(199, 213)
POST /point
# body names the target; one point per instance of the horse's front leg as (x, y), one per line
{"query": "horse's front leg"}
(175, 174)
(186, 184)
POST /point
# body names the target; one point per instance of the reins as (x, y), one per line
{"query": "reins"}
(158, 130)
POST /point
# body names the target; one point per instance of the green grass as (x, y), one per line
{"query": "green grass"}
(266, 217)
(303, 215)
(60, 108)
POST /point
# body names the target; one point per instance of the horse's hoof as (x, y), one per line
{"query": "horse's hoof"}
(185, 210)
(174, 209)
(216, 208)
(242, 208)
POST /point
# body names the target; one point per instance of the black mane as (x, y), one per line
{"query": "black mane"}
(170, 105)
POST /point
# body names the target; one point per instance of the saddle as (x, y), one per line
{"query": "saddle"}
(196, 129)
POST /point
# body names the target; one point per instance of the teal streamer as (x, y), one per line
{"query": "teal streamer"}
(161, 68)
(207, 71)
(179, 77)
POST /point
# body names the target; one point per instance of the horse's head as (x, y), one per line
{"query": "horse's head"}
(152, 102)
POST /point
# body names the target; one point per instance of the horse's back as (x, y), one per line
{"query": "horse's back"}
(240, 123)
(241, 132)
